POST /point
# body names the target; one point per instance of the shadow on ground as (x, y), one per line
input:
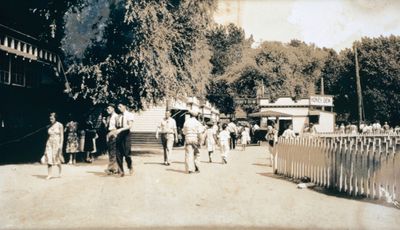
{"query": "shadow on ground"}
(329, 191)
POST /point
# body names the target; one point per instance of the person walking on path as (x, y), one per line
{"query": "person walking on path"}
(111, 138)
(245, 137)
(224, 137)
(233, 131)
(272, 138)
(123, 149)
(169, 135)
(192, 131)
(210, 139)
(54, 145)
(72, 145)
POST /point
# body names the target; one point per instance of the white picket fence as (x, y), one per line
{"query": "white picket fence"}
(358, 165)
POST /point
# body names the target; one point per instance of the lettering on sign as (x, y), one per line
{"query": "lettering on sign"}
(321, 100)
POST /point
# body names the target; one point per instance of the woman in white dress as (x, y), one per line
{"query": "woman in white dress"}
(53, 152)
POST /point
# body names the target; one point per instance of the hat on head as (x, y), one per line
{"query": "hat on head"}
(193, 113)
(210, 123)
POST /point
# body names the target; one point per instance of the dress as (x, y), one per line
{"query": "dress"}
(72, 145)
(53, 151)
(210, 139)
(245, 137)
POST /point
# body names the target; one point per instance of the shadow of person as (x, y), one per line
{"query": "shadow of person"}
(100, 174)
(258, 164)
(177, 162)
(176, 170)
(40, 176)
(153, 163)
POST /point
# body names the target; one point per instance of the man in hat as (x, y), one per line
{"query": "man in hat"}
(192, 130)
(169, 134)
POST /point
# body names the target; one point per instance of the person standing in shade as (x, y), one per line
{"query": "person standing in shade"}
(192, 130)
(54, 145)
(111, 125)
(244, 137)
(232, 129)
(72, 145)
(169, 135)
(272, 138)
(122, 133)
(224, 137)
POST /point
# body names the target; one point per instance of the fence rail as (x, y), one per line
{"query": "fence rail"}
(357, 164)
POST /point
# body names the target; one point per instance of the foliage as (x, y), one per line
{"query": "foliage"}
(137, 51)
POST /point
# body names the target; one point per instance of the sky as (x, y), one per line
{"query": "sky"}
(326, 23)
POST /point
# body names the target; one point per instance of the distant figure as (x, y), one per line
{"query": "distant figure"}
(169, 135)
(53, 152)
(245, 137)
(233, 131)
(192, 130)
(353, 129)
(386, 127)
(376, 127)
(210, 139)
(224, 137)
(90, 141)
(289, 133)
(342, 129)
(271, 138)
(72, 145)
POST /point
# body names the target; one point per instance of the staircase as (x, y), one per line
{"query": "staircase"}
(143, 133)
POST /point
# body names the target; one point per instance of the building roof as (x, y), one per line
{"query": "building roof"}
(269, 114)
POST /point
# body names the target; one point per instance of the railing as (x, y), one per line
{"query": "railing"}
(358, 165)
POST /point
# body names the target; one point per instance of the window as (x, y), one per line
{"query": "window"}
(17, 72)
(314, 119)
(4, 74)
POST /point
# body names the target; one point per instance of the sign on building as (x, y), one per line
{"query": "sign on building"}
(321, 100)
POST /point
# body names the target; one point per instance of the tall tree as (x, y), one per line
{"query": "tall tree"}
(137, 51)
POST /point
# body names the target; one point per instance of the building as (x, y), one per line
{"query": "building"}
(147, 120)
(286, 111)
(29, 90)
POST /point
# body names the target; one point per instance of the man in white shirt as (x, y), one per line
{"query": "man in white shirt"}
(289, 133)
(169, 135)
(111, 125)
(123, 146)
(192, 130)
(232, 129)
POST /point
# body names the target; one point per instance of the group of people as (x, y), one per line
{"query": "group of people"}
(367, 128)
(117, 126)
(119, 122)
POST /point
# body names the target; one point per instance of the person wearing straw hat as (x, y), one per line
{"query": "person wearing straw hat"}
(192, 130)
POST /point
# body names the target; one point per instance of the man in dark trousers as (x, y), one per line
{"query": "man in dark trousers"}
(232, 128)
(123, 149)
(111, 123)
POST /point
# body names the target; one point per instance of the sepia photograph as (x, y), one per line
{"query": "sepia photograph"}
(199, 114)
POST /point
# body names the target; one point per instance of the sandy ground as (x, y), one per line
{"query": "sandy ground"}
(241, 194)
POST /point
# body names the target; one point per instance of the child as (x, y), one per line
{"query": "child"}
(210, 139)
(224, 137)
(245, 138)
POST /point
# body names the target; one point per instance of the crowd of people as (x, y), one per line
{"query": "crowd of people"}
(117, 125)
(367, 128)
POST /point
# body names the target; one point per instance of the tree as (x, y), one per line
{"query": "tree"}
(136, 51)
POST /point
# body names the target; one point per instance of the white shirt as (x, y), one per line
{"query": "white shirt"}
(125, 119)
(289, 133)
(232, 127)
(112, 121)
(191, 127)
(167, 125)
(224, 136)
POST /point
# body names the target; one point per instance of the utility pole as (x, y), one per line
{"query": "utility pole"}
(359, 91)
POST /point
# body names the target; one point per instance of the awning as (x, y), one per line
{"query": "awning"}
(314, 112)
(269, 114)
